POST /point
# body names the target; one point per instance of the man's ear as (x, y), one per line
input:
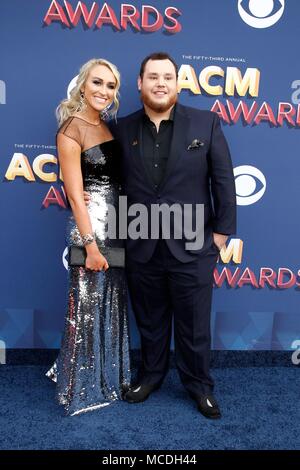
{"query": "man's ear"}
(139, 83)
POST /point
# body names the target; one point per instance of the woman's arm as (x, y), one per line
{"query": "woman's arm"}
(69, 153)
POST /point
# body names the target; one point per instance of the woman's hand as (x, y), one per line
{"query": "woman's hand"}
(95, 261)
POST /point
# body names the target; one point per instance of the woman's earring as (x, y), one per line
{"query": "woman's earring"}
(82, 103)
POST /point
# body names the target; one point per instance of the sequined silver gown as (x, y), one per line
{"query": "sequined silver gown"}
(93, 369)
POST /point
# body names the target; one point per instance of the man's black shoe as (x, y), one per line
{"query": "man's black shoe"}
(208, 406)
(140, 393)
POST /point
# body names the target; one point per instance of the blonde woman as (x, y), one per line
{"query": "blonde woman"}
(92, 369)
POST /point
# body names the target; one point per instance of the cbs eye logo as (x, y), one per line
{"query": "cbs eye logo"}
(247, 182)
(261, 13)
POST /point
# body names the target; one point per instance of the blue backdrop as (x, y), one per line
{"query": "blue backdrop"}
(235, 57)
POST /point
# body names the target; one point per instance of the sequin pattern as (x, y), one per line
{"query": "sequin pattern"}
(93, 367)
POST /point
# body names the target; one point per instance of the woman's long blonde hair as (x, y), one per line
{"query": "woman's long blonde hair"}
(69, 106)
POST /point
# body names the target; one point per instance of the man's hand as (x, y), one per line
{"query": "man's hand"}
(220, 240)
(86, 198)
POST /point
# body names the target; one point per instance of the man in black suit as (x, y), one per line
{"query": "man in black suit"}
(174, 154)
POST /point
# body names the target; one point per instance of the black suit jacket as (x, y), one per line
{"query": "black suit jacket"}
(202, 175)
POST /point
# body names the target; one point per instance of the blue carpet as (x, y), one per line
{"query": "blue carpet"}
(260, 411)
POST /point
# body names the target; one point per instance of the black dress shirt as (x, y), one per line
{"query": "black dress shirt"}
(156, 146)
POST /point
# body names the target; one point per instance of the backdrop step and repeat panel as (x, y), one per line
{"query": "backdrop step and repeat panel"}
(237, 58)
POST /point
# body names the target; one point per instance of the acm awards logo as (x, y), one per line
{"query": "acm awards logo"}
(146, 18)
(250, 185)
(261, 13)
(235, 82)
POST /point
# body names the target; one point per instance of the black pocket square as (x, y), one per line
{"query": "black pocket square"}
(195, 144)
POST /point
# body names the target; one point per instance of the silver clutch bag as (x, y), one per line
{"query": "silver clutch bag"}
(115, 256)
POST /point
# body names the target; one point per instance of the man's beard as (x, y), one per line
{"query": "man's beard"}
(156, 106)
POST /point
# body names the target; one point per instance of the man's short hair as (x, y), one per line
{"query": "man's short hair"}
(157, 56)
